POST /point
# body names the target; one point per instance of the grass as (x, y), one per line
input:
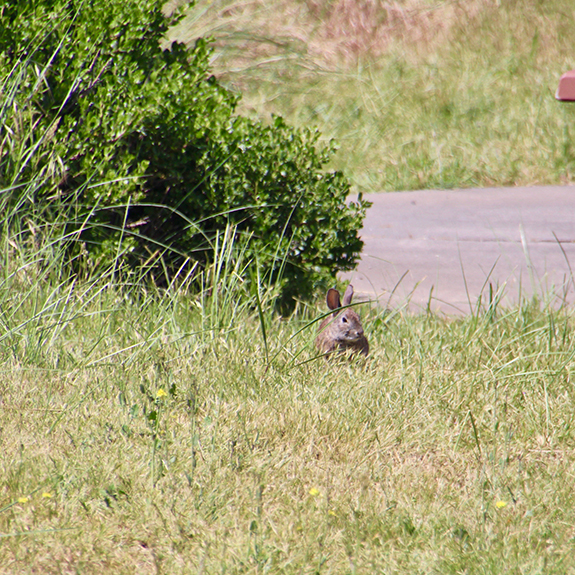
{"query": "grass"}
(157, 433)
(418, 94)
(152, 431)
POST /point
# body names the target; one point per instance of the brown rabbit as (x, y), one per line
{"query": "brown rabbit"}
(342, 331)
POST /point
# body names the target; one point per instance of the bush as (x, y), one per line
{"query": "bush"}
(142, 145)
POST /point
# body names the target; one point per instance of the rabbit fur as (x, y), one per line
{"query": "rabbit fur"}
(342, 331)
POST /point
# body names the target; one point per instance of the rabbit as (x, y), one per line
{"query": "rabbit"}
(343, 331)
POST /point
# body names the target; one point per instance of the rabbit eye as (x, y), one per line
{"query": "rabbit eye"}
(344, 319)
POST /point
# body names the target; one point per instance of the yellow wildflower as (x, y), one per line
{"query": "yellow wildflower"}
(501, 504)
(161, 393)
(313, 491)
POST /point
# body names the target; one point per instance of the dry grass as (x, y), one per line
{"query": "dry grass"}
(329, 32)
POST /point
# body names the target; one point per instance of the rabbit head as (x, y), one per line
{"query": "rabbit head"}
(342, 330)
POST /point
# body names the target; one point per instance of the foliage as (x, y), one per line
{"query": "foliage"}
(142, 146)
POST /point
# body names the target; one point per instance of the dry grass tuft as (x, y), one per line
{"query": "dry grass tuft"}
(329, 32)
(347, 30)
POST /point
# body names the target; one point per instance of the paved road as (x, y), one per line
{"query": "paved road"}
(444, 248)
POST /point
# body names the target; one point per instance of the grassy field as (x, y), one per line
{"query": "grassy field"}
(419, 94)
(146, 434)
(154, 431)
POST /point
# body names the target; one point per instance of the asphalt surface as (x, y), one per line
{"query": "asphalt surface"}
(446, 249)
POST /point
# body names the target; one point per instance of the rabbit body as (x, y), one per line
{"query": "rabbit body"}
(343, 330)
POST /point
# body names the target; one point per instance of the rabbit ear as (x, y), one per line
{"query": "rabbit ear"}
(332, 299)
(348, 295)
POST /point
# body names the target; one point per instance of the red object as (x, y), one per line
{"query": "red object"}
(566, 89)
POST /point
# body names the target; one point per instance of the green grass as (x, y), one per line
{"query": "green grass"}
(146, 432)
(447, 95)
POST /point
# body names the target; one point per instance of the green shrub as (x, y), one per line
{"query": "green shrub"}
(142, 146)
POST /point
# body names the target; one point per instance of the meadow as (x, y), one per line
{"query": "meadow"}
(152, 432)
(163, 430)
(419, 94)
